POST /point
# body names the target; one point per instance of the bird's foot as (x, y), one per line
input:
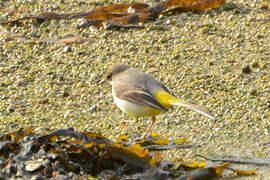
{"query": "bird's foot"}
(123, 123)
(144, 136)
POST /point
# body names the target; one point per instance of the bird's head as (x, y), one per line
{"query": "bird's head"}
(115, 70)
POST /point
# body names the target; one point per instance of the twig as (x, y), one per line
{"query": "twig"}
(239, 161)
(168, 147)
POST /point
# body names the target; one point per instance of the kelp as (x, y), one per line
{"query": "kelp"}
(125, 15)
(67, 154)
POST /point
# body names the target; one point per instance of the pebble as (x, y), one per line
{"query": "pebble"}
(67, 49)
(93, 108)
(54, 76)
(93, 77)
(246, 69)
(33, 165)
(10, 109)
(20, 83)
(68, 112)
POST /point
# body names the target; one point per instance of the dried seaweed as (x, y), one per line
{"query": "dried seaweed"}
(67, 154)
(126, 15)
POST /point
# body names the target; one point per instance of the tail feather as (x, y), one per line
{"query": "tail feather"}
(193, 107)
(168, 100)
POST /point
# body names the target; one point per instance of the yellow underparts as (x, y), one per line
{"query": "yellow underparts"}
(166, 99)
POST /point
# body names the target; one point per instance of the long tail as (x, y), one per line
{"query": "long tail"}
(168, 100)
(193, 107)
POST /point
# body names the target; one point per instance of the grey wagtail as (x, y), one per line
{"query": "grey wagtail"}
(139, 95)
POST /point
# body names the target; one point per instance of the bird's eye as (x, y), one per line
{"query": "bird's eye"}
(109, 77)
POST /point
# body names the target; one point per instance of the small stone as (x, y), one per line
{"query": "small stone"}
(82, 22)
(4, 97)
(52, 156)
(67, 49)
(106, 25)
(246, 69)
(43, 101)
(47, 92)
(11, 169)
(54, 76)
(255, 64)
(264, 7)
(93, 77)
(164, 62)
(79, 84)
(20, 83)
(47, 172)
(13, 125)
(93, 108)
(35, 35)
(259, 36)
(176, 57)
(93, 28)
(253, 92)
(4, 84)
(46, 162)
(65, 94)
(37, 177)
(32, 165)
(131, 10)
(68, 112)
(82, 53)
(10, 109)
(51, 34)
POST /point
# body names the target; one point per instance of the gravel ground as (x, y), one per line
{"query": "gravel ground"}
(218, 59)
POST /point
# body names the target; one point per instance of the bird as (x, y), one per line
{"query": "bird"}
(139, 95)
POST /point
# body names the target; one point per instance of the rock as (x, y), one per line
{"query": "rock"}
(33, 165)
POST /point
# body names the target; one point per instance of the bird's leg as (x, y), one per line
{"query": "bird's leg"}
(149, 127)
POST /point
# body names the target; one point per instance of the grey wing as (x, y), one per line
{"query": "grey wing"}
(139, 95)
(155, 82)
(164, 87)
